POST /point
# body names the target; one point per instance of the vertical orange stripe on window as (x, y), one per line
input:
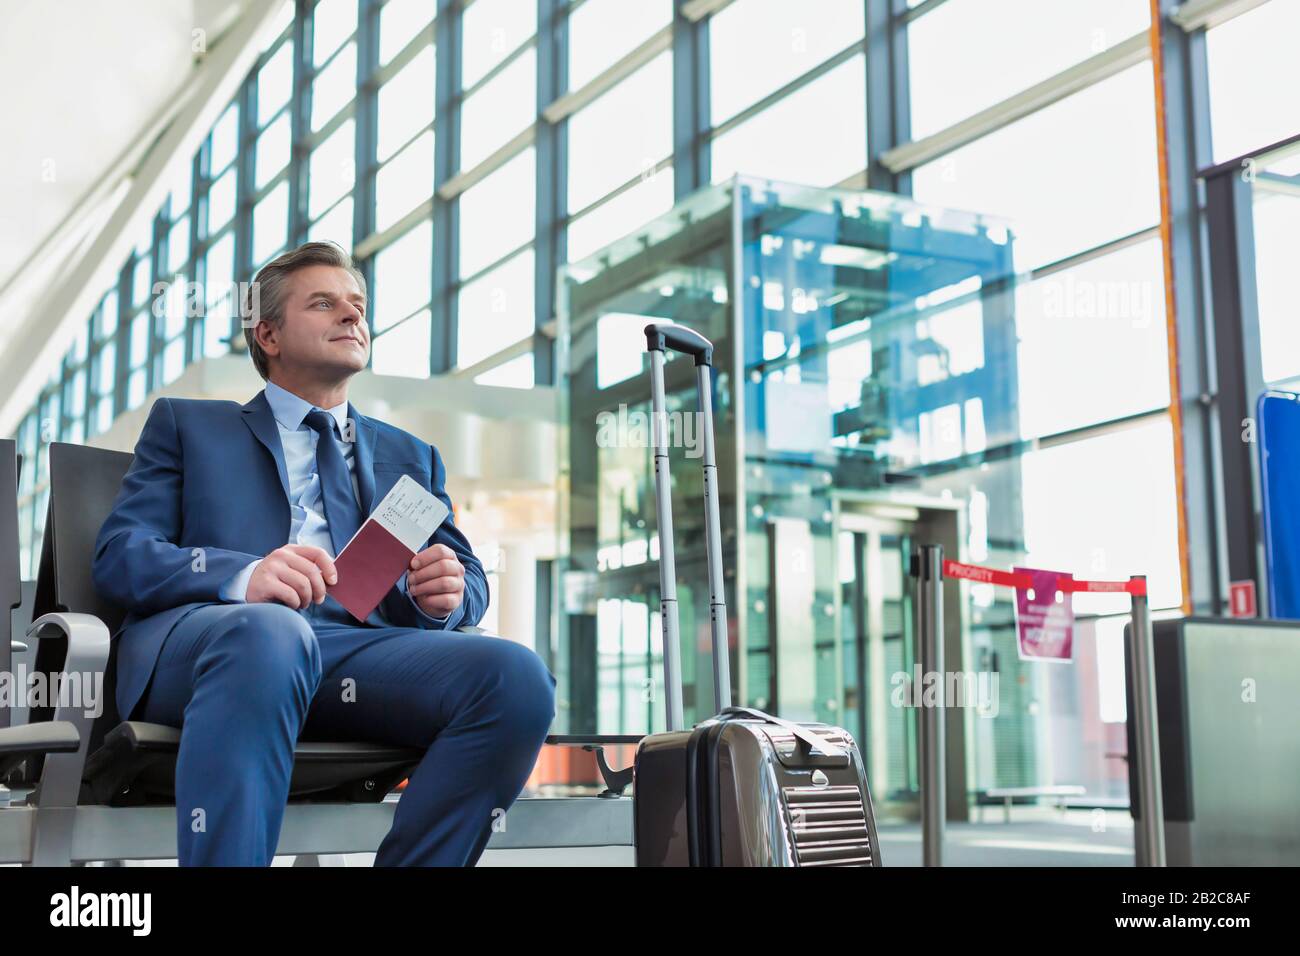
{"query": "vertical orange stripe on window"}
(1171, 315)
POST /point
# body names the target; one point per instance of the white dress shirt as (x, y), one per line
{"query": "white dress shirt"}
(308, 524)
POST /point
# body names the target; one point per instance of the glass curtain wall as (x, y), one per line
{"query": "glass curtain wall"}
(464, 151)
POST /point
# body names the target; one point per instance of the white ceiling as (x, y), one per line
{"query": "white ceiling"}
(82, 80)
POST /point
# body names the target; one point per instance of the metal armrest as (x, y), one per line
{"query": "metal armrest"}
(23, 742)
(88, 645)
(616, 781)
(593, 740)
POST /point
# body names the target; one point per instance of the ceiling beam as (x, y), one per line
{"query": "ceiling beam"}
(60, 310)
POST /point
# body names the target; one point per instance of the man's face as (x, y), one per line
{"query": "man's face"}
(324, 326)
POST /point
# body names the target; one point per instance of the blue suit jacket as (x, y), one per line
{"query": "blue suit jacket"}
(207, 493)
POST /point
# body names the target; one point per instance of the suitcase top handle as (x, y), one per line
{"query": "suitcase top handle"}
(814, 743)
(661, 336)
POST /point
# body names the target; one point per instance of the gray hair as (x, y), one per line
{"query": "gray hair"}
(264, 300)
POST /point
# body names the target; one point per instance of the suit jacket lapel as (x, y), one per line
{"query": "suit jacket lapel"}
(261, 422)
(365, 458)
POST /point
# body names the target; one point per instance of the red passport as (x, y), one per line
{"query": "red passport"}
(372, 563)
(381, 551)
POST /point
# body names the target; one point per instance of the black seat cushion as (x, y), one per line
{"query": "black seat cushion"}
(137, 765)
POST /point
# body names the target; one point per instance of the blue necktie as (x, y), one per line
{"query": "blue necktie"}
(341, 509)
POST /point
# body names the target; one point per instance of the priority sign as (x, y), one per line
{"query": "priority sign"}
(1241, 599)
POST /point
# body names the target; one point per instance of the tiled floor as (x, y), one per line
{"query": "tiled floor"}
(1034, 837)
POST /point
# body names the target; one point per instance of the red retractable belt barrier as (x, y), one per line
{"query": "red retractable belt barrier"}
(973, 572)
(1136, 587)
(1149, 838)
(1013, 579)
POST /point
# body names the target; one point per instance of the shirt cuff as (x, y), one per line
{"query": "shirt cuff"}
(424, 615)
(235, 590)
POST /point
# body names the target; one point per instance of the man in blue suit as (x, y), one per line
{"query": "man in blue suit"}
(220, 545)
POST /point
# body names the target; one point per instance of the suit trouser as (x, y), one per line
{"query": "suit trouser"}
(244, 682)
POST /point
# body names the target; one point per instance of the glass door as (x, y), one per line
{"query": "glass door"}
(878, 650)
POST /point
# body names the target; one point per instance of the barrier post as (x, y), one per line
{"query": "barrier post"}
(1149, 836)
(928, 570)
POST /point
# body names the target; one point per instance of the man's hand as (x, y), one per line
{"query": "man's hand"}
(436, 580)
(295, 575)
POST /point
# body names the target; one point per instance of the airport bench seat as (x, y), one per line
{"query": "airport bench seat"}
(134, 762)
(80, 767)
(23, 743)
(136, 765)
(1059, 793)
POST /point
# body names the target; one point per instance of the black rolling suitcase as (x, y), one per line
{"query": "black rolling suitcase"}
(742, 788)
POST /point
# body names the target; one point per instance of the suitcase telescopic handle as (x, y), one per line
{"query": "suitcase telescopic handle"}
(659, 338)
